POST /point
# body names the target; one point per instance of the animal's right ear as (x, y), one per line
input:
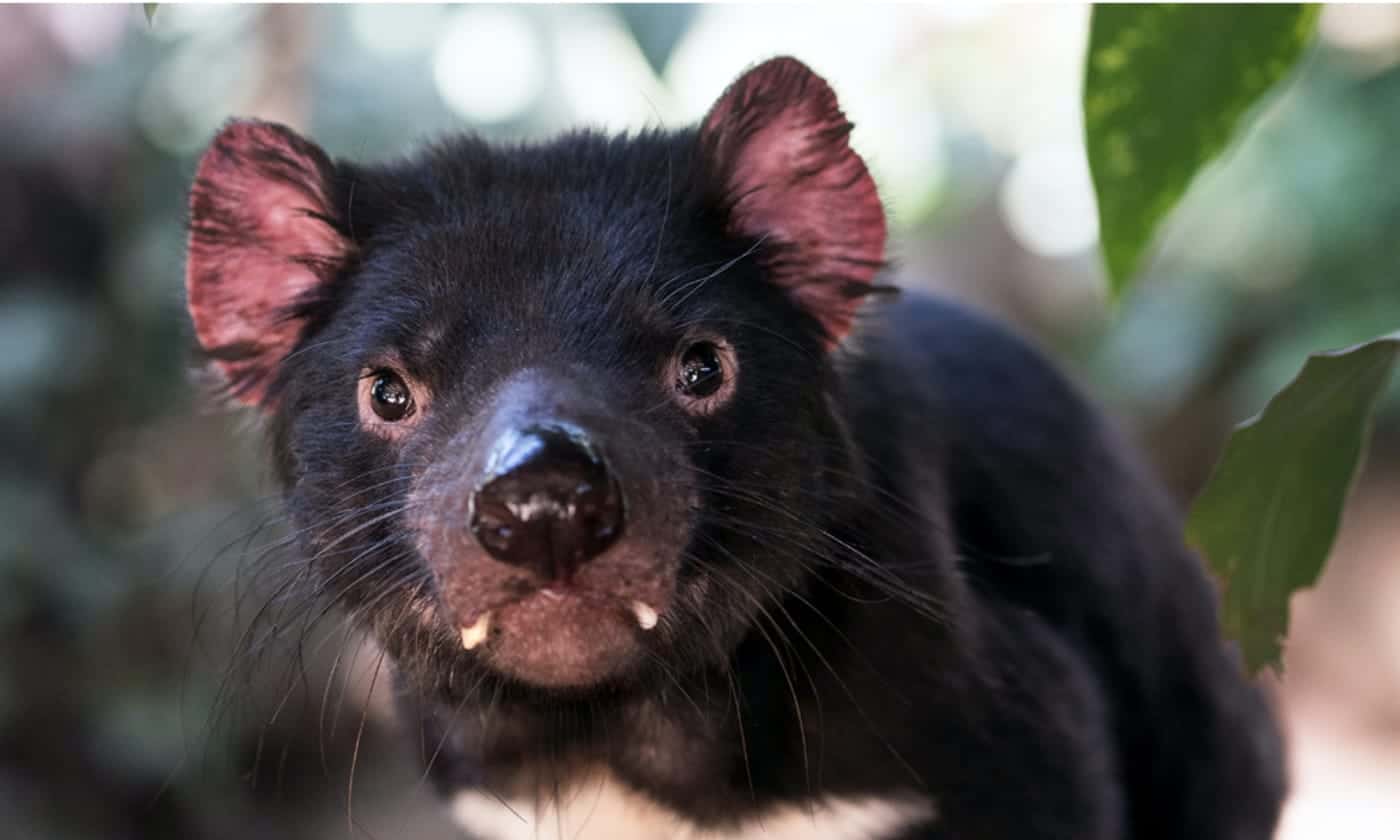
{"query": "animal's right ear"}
(265, 243)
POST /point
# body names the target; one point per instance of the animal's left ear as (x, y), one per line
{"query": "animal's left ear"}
(778, 143)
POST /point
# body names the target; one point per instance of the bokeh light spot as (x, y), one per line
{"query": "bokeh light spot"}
(490, 66)
(1048, 201)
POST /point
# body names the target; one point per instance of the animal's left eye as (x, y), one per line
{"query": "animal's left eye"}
(390, 397)
(701, 370)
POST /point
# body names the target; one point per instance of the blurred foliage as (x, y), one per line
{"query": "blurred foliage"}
(1165, 89)
(1267, 517)
(1286, 248)
(1270, 512)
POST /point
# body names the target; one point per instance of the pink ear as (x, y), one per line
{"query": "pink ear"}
(263, 242)
(778, 140)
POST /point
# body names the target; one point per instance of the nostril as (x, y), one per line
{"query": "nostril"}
(549, 503)
(496, 537)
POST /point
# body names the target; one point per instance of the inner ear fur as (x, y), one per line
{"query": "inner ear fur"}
(778, 143)
(264, 243)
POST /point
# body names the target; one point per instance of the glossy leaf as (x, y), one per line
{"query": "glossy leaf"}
(1267, 518)
(1165, 89)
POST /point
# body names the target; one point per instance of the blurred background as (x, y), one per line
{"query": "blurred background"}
(135, 701)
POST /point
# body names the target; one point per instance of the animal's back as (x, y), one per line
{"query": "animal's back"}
(1051, 512)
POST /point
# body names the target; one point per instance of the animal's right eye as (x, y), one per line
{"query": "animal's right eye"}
(703, 374)
(390, 397)
(701, 371)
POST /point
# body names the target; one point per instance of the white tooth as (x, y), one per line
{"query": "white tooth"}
(646, 616)
(476, 634)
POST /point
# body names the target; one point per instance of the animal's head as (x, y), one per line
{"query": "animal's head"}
(558, 411)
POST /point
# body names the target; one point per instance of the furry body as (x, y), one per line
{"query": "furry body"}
(1074, 685)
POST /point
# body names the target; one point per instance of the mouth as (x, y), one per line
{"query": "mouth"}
(556, 636)
(643, 614)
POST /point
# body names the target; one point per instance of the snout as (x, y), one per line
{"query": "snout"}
(554, 524)
(548, 503)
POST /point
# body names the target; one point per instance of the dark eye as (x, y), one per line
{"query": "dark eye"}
(389, 396)
(701, 373)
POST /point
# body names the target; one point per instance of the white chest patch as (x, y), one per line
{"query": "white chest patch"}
(605, 809)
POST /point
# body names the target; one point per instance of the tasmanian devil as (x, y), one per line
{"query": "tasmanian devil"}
(674, 524)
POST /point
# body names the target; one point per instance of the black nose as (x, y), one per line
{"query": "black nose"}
(549, 503)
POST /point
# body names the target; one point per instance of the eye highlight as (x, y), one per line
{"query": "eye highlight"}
(389, 396)
(703, 373)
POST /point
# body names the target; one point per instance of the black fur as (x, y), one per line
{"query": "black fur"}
(931, 566)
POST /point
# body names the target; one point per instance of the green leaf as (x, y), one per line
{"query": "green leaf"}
(1267, 518)
(1164, 92)
(150, 10)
